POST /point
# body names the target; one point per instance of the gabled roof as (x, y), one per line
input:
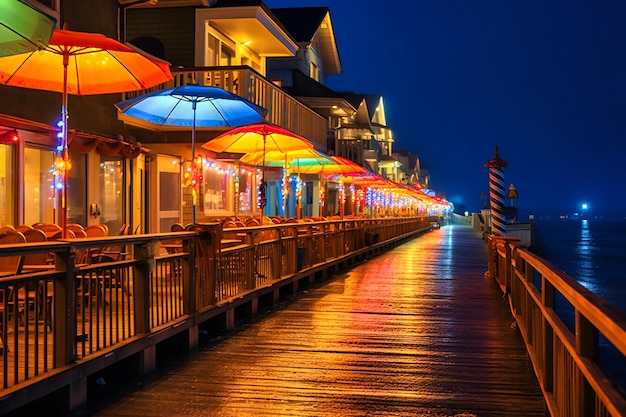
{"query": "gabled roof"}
(309, 24)
(302, 22)
(251, 20)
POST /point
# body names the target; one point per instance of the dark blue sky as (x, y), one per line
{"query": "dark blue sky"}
(544, 80)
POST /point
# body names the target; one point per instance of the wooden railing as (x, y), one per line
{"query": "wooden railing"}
(81, 312)
(283, 110)
(568, 331)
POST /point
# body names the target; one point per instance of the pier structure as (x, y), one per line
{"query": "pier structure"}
(414, 331)
(409, 322)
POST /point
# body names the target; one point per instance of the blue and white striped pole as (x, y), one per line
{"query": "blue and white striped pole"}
(497, 194)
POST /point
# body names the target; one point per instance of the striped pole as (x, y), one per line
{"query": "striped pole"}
(497, 194)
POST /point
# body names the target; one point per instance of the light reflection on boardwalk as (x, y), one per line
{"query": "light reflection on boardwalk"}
(415, 331)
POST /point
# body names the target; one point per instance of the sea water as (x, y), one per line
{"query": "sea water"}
(593, 252)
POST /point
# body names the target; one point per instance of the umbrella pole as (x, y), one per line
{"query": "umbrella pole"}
(264, 188)
(65, 150)
(193, 161)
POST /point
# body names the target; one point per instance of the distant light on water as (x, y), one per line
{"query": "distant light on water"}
(586, 250)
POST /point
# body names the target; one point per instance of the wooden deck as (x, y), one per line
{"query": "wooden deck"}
(415, 331)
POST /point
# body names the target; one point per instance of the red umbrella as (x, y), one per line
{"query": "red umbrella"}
(82, 63)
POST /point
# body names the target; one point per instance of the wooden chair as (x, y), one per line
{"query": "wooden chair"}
(105, 227)
(124, 230)
(7, 228)
(174, 245)
(11, 265)
(252, 222)
(50, 229)
(59, 235)
(79, 234)
(42, 291)
(37, 259)
(74, 227)
(23, 227)
(96, 230)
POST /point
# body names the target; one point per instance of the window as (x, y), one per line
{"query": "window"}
(112, 192)
(7, 185)
(247, 191)
(39, 192)
(314, 72)
(220, 51)
(77, 189)
(218, 187)
(227, 56)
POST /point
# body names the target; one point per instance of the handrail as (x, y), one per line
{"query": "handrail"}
(77, 310)
(565, 360)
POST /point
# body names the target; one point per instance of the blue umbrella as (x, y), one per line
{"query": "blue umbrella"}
(191, 105)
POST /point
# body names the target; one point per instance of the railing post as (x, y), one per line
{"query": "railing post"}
(491, 257)
(144, 254)
(587, 342)
(189, 277)
(528, 304)
(65, 309)
(548, 299)
(508, 265)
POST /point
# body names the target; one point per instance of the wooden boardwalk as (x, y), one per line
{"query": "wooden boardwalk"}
(415, 331)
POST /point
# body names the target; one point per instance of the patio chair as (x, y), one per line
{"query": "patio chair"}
(7, 228)
(23, 227)
(11, 265)
(36, 294)
(50, 229)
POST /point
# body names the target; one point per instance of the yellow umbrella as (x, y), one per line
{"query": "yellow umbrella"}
(258, 138)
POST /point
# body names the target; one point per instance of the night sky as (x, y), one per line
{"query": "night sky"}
(544, 80)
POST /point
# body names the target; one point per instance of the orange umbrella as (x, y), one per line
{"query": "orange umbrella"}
(82, 63)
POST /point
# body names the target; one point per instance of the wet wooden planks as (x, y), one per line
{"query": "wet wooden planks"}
(415, 331)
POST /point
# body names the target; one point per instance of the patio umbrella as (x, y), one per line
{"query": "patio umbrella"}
(82, 63)
(23, 28)
(191, 105)
(258, 138)
(298, 159)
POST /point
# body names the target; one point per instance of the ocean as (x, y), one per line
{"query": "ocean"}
(593, 252)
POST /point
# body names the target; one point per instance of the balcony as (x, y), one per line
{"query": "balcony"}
(283, 110)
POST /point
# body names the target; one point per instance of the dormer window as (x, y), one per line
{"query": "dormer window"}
(314, 72)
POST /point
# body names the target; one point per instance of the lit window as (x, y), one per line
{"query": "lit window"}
(218, 188)
(314, 72)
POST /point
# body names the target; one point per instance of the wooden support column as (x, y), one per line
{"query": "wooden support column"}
(548, 299)
(141, 290)
(230, 318)
(587, 345)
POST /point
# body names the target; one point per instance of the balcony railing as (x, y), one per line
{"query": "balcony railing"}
(283, 110)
